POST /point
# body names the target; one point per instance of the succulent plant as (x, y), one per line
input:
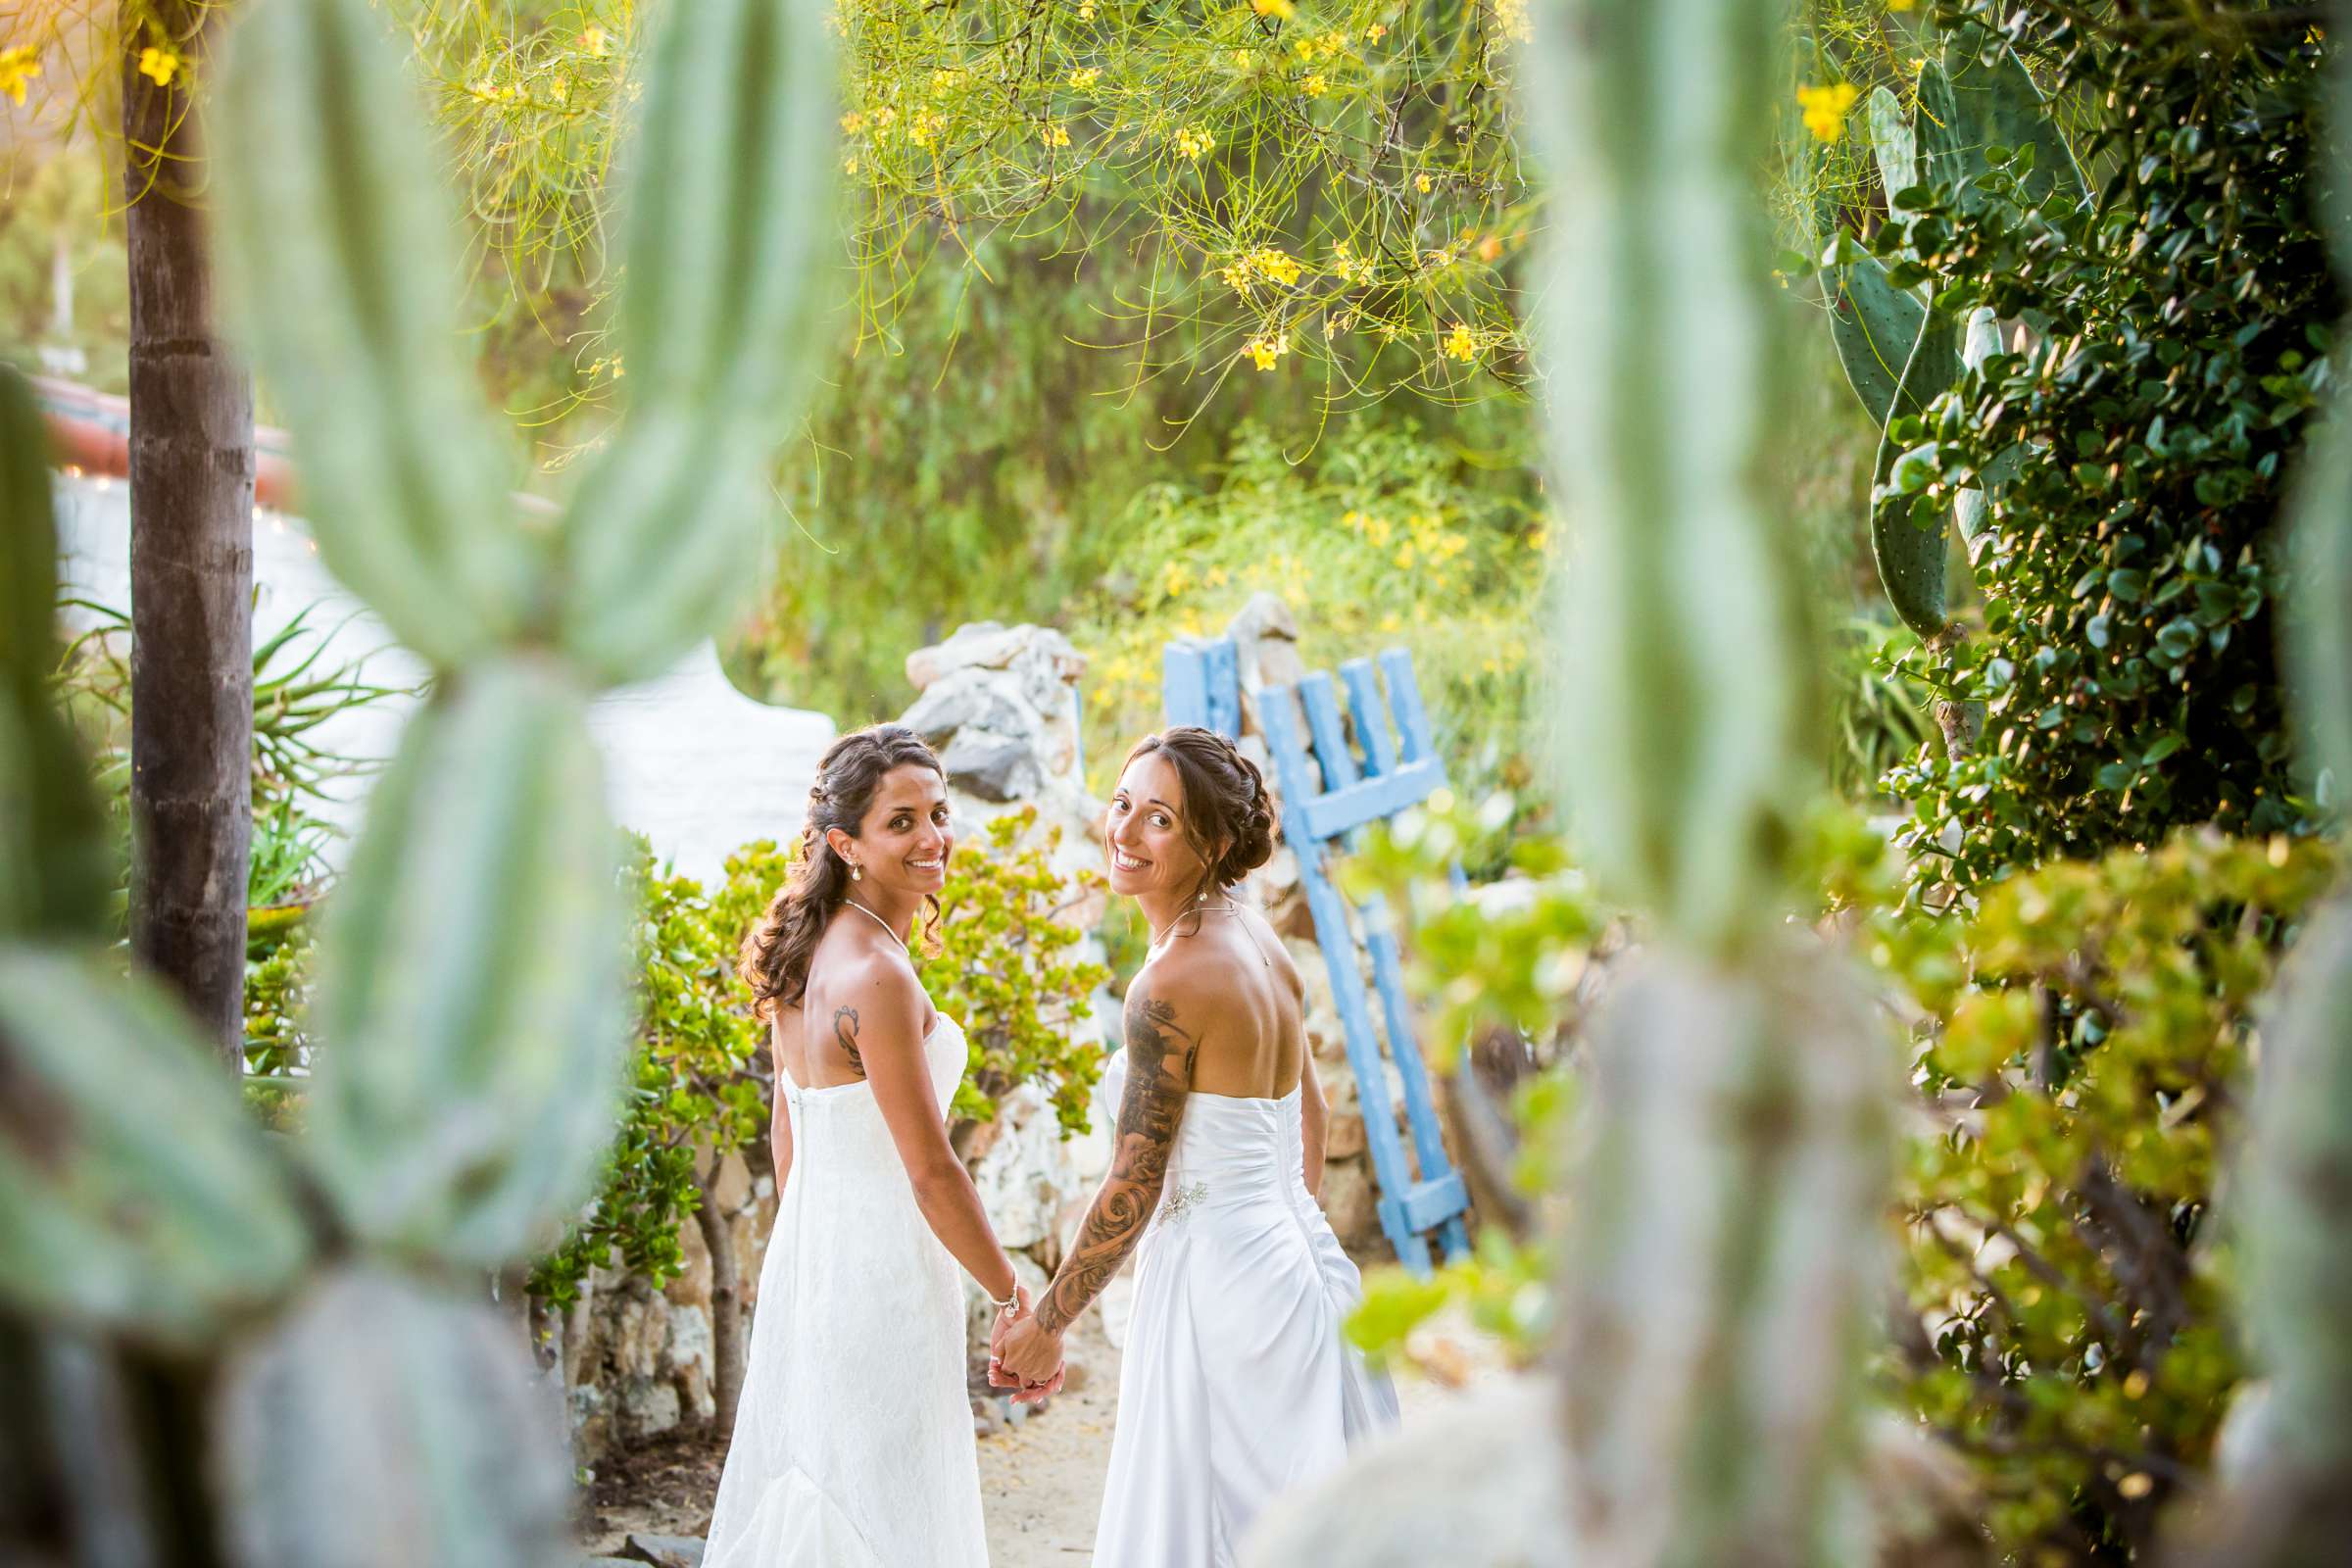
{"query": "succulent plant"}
(362, 1408)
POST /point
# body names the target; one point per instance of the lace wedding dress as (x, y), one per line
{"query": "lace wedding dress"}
(853, 1439)
(1234, 1385)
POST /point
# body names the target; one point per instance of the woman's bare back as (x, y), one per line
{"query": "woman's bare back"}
(1252, 1040)
(815, 1040)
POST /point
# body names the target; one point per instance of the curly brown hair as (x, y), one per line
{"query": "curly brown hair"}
(775, 957)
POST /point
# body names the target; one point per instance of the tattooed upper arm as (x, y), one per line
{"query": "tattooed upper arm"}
(1162, 1044)
(845, 1035)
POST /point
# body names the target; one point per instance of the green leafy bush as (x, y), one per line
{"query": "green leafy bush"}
(2075, 1331)
(1003, 967)
(1384, 536)
(2135, 451)
(693, 1077)
(2080, 1048)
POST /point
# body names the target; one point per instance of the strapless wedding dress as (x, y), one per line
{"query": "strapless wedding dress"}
(1236, 1384)
(853, 1439)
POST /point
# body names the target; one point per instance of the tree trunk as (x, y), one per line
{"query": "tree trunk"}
(1962, 722)
(726, 1301)
(191, 557)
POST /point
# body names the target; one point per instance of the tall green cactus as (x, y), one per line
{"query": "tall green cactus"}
(473, 961)
(1900, 354)
(2292, 1507)
(1724, 1250)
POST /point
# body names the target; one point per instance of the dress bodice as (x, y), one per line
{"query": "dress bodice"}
(846, 1117)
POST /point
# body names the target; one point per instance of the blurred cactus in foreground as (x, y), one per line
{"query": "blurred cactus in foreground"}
(1726, 1248)
(2290, 1504)
(354, 1405)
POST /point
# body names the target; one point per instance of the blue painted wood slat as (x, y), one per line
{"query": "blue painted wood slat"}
(1330, 816)
(1371, 716)
(1405, 701)
(1295, 773)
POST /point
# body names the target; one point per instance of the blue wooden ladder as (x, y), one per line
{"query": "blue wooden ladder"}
(1326, 794)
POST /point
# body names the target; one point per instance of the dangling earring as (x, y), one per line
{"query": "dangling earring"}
(857, 873)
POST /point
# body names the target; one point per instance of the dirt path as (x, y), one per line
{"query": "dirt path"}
(1041, 1482)
(1040, 1477)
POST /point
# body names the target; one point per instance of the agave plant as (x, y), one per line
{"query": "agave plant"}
(356, 1403)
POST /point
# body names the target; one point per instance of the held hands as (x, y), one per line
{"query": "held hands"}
(1022, 1356)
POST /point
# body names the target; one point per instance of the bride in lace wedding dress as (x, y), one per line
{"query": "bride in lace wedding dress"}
(853, 1443)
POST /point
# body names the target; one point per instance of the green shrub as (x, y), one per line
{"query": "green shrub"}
(2074, 1333)
(1384, 536)
(2128, 564)
(1002, 968)
(2080, 1051)
(693, 1078)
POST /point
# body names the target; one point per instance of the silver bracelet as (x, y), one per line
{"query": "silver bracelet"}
(1009, 1301)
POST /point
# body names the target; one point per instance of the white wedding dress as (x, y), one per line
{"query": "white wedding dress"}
(1236, 1384)
(853, 1439)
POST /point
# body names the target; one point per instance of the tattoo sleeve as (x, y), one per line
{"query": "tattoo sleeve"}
(845, 1035)
(1159, 1071)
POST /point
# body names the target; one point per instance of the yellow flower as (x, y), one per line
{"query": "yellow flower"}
(157, 65)
(1461, 344)
(1826, 108)
(17, 67)
(1056, 134)
(1304, 49)
(1086, 77)
(1267, 349)
(1278, 265)
(592, 40)
(1241, 60)
(1086, 12)
(1314, 86)
(1375, 31)
(1216, 577)
(1192, 141)
(1421, 184)
(1490, 249)
(848, 166)
(1279, 10)
(853, 123)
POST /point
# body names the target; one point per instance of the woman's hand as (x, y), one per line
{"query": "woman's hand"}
(1028, 1356)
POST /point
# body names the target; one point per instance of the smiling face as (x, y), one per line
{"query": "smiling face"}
(904, 840)
(1144, 834)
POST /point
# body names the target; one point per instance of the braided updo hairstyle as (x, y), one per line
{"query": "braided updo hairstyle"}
(1228, 818)
(775, 957)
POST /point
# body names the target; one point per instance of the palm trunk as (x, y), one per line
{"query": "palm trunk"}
(726, 1303)
(191, 557)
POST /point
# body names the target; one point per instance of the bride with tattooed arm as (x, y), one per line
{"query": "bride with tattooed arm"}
(1236, 1384)
(852, 1444)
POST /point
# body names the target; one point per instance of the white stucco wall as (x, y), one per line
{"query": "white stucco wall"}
(690, 762)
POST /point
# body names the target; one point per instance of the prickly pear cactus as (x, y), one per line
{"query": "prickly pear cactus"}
(362, 1410)
(1724, 1250)
(1900, 355)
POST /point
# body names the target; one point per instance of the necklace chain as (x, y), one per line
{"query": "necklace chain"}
(878, 920)
(1227, 907)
